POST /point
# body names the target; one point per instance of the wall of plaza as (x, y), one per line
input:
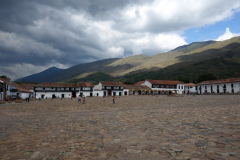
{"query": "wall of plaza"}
(44, 95)
(219, 88)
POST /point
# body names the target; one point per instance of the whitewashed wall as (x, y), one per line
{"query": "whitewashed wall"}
(98, 87)
(191, 90)
(100, 93)
(25, 95)
(11, 87)
(125, 90)
(236, 87)
(49, 94)
(146, 83)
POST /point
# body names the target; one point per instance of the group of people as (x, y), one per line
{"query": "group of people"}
(112, 97)
(80, 100)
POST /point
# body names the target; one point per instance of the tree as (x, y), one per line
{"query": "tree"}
(3, 76)
(206, 77)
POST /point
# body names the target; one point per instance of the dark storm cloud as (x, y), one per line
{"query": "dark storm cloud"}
(37, 34)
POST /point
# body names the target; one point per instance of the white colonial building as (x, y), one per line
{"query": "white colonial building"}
(85, 89)
(190, 87)
(24, 93)
(55, 90)
(108, 89)
(11, 89)
(136, 89)
(63, 90)
(164, 86)
(2, 89)
(231, 85)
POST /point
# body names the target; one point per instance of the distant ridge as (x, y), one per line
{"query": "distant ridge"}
(40, 77)
(193, 46)
(221, 58)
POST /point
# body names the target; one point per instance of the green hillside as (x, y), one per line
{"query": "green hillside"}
(94, 78)
(184, 62)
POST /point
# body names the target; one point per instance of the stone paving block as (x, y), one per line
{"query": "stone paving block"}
(135, 127)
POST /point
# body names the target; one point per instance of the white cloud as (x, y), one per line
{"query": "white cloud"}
(70, 36)
(227, 35)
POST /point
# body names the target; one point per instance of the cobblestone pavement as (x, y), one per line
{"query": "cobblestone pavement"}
(135, 127)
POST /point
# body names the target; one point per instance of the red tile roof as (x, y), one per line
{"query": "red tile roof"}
(189, 84)
(27, 86)
(5, 80)
(141, 87)
(71, 85)
(23, 90)
(111, 83)
(164, 82)
(139, 83)
(231, 80)
(84, 84)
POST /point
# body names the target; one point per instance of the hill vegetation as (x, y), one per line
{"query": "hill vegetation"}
(185, 63)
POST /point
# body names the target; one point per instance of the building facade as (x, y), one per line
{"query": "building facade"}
(2, 90)
(164, 87)
(85, 89)
(108, 89)
(137, 90)
(190, 87)
(55, 90)
(231, 85)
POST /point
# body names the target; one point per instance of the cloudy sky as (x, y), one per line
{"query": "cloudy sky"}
(36, 35)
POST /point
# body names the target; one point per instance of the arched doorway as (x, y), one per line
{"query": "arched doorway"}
(139, 92)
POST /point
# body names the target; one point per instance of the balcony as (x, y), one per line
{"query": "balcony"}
(13, 90)
(86, 89)
(37, 90)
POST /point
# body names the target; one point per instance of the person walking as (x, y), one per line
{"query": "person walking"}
(187, 93)
(104, 98)
(113, 98)
(83, 99)
(79, 99)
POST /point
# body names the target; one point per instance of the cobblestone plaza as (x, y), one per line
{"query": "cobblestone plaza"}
(135, 127)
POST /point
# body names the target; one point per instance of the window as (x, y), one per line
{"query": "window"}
(232, 85)
(115, 87)
(178, 87)
(205, 87)
(86, 88)
(108, 87)
(182, 87)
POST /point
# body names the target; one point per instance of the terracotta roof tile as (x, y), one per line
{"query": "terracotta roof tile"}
(164, 82)
(23, 90)
(5, 80)
(26, 86)
(189, 84)
(71, 85)
(112, 83)
(139, 83)
(231, 80)
(141, 87)
(84, 84)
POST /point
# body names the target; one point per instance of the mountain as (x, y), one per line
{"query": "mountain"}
(40, 77)
(62, 75)
(193, 46)
(185, 62)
